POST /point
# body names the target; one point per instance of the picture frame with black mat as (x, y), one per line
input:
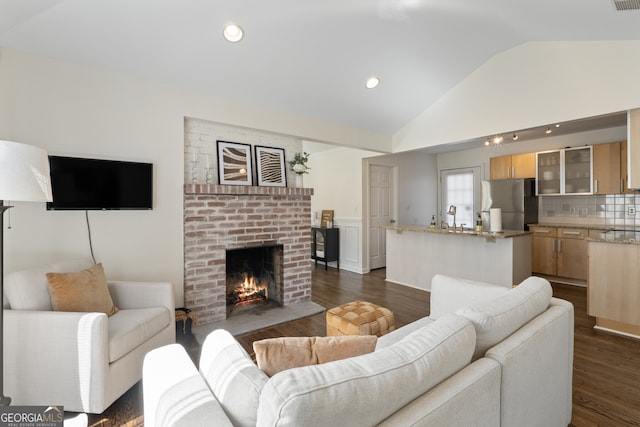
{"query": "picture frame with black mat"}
(270, 166)
(234, 163)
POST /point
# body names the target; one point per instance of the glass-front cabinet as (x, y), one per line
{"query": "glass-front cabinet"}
(548, 171)
(567, 171)
(577, 170)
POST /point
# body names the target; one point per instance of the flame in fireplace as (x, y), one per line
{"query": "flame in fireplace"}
(249, 291)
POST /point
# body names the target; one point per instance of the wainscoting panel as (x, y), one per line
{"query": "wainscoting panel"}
(350, 244)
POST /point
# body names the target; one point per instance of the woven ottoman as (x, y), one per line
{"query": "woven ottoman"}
(359, 318)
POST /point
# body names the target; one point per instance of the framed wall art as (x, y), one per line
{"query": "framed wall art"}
(270, 166)
(234, 163)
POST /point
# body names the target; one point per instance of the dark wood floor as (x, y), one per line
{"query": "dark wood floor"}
(606, 377)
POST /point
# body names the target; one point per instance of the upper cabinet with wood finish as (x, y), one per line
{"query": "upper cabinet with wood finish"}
(633, 148)
(624, 172)
(610, 168)
(513, 166)
(606, 168)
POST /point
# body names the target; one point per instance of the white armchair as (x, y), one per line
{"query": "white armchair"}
(84, 361)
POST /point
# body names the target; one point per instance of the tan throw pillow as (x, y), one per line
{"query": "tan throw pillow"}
(84, 291)
(277, 354)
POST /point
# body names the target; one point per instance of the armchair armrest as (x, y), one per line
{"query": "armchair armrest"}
(129, 295)
(175, 394)
(70, 351)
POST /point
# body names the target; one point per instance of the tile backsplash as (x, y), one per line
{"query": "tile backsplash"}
(621, 210)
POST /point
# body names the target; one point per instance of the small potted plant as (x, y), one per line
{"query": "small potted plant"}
(299, 166)
(299, 163)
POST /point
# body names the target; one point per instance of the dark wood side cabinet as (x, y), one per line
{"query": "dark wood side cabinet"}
(325, 245)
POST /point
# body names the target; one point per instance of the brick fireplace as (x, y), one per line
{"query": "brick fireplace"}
(221, 218)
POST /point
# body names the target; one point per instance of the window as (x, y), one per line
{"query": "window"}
(460, 188)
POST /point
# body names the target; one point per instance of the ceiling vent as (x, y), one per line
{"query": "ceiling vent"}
(627, 4)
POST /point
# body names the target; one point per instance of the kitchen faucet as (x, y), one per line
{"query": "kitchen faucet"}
(452, 211)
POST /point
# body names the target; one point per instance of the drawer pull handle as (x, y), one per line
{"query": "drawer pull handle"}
(571, 233)
(542, 231)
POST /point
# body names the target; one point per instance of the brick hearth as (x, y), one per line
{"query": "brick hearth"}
(222, 217)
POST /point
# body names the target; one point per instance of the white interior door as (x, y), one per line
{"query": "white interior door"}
(380, 213)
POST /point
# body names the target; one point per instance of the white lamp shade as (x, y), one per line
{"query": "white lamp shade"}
(24, 173)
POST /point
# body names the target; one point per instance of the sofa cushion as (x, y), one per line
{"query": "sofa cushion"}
(232, 376)
(128, 329)
(82, 291)
(398, 334)
(333, 393)
(449, 294)
(27, 289)
(277, 354)
(496, 319)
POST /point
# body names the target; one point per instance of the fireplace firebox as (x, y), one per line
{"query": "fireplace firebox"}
(254, 276)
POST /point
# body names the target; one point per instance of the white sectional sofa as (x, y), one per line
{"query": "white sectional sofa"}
(486, 356)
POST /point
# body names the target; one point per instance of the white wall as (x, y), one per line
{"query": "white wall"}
(339, 178)
(531, 85)
(336, 177)
(417, 185)
(75, 110)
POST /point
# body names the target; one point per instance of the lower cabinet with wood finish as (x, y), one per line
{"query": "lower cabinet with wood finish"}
(613, 289)
(559, 251)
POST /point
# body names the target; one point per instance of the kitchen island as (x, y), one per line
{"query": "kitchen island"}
(416, 253)
(613, 285)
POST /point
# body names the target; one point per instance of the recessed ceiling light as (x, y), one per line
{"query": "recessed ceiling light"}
(233, 33)
(372, 82)
(515, 137)
(548, 130)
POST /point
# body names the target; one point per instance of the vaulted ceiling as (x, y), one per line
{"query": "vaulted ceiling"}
(304, 56)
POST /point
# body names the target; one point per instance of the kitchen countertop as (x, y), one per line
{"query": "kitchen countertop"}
(504, 234)
(609, 234)
(604, 227)
(617, 236)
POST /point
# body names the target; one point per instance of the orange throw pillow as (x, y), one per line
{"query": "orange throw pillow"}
(277, 354)
(84, 291)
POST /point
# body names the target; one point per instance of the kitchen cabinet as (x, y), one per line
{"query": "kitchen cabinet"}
(513, 166)
(559, 252)
(325, 245)
(613, 289)
(633, 148)
(624, 172)
(544, 260)
(548, 172)
(607, 168)
(566, 171)
(571, 252)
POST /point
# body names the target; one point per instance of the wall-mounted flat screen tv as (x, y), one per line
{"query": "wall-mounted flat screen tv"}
(96, 184)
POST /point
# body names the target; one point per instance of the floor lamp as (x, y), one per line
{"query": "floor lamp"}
(24, 177)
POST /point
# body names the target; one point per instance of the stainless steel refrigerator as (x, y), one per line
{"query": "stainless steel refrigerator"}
(517, 199)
